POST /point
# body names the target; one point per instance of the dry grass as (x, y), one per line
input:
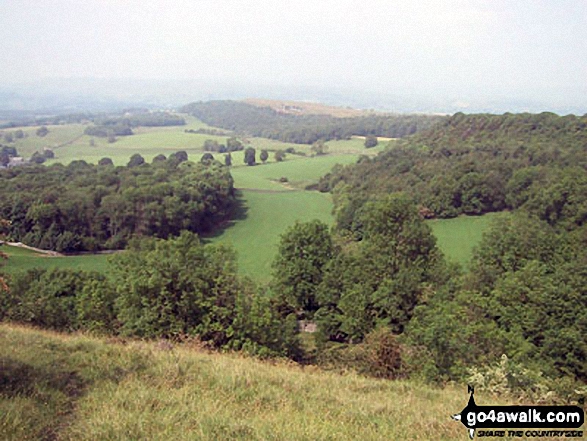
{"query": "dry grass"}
(54, 386)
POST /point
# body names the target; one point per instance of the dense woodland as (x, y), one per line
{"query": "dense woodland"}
(474, 164)
(249, 120)
(83, 207)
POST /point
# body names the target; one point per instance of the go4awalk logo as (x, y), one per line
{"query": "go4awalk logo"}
(559, 420)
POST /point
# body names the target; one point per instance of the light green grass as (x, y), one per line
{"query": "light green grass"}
(268, 215)
(54, 386)
(20, 259)
(299, 170)
(457, 237)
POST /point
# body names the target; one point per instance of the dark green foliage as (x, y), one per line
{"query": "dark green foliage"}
(159, 158)
(42, 131)
(136, 160)
(8, 137)
(265, 122)
(105, 161)
(250, 156)
(48, 154)
(228, 160)
(264, 156)
(60, 299)
(371, 141)
(181, 287)
(38, 158)
(207, 158)
(110, 131)
(379, 281)
(85, 207)
(233, 145)
(6, 153)
(304, 250)
(472, 164)
(19, 134)
(279, 155)
(525, 297)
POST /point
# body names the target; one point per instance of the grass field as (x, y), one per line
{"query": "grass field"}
(268, 214)
(20, 259)
(457, 237)
(54, 386)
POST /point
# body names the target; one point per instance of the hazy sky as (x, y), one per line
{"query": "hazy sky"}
(531, 49)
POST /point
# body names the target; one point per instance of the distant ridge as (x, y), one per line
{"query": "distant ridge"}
(307, 108)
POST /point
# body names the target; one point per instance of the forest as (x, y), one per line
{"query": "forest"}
(474, 164)
(249, 120)
(84, 207)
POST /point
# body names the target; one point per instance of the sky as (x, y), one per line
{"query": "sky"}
(534, 50)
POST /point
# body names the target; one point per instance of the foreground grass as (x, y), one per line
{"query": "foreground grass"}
(74, 387)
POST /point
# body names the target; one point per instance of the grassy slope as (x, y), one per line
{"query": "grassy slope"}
(75, 387)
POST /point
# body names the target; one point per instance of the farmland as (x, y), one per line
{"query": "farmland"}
(268, 206)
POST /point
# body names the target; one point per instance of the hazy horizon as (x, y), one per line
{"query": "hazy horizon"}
(422, 55)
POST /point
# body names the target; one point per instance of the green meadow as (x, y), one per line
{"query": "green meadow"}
(458, 237)
(20, 259)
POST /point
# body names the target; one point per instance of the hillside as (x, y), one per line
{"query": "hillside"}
(252, 120)
(306, 108)
(54, 386)
(469, 164)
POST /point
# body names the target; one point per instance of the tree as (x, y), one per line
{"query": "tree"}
(370, 141)
(19, 134)
(233, 144)
(279, 155)
(42, 131)
(250, 156)
(48, 153)
(319, 148)
(8, 137)
(263, 156)
(159, 158)
(228, 160)
(304, 250)
(105, 161)
(136, 160)
(111, 139)
(207, 158)
(181, 156)
(38, 158)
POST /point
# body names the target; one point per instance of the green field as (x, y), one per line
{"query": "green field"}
(457, 237)
(20, 259)
(54, 386)
(268, 214)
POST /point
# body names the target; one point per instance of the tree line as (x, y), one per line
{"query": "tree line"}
(84, 207)
(249, 120)
(472, 164)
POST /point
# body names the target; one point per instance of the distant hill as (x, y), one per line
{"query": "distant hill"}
(304, 128)
(307, 108)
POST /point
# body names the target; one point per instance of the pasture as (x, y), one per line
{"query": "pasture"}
(20, 259)
(457, 237)
(75, 387)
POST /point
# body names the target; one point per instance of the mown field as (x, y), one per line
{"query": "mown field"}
(54, 386)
